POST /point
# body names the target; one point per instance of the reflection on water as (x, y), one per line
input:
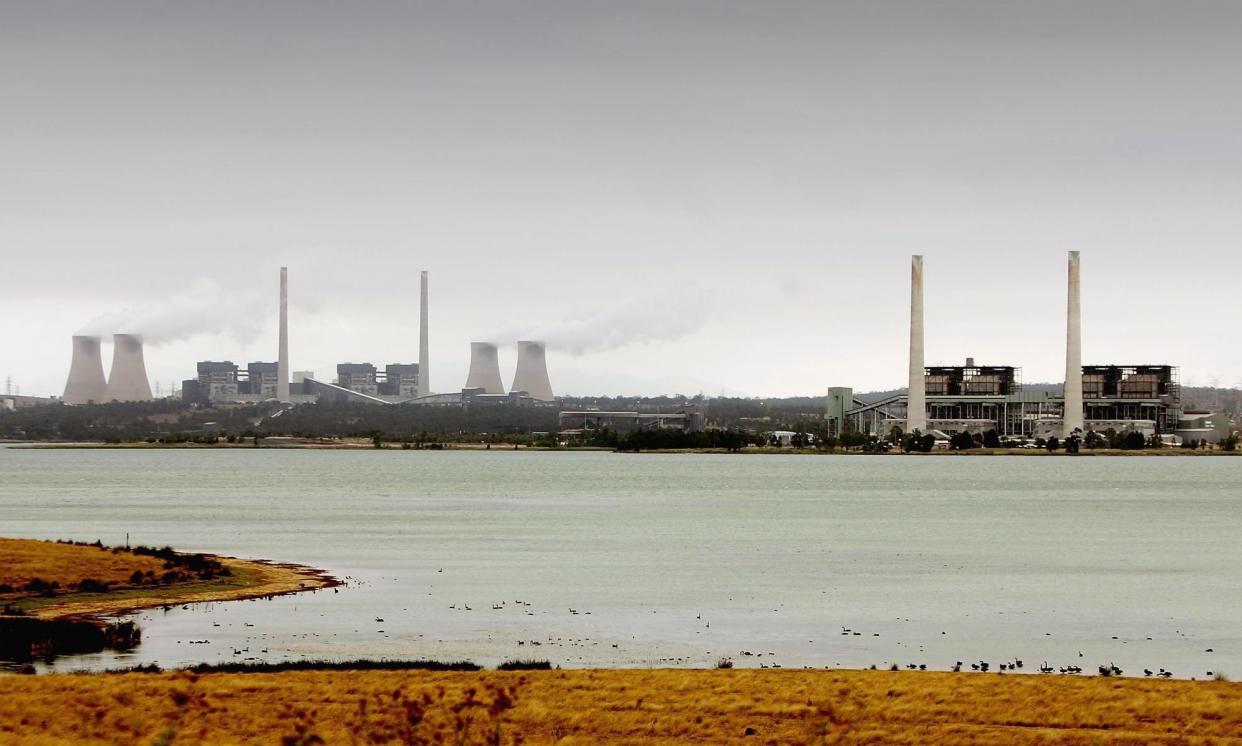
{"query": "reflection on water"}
(642, 560)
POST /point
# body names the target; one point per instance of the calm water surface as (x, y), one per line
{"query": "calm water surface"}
(644, 560)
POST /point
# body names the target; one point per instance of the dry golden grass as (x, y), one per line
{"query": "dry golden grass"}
(614, 706)
(23, 560)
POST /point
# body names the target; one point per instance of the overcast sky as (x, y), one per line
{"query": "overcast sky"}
(727, 192)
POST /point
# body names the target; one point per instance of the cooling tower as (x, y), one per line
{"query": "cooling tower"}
(86, 377)
(424, 370)
(916, 400)
(484, 369)
(282, 354)
(1073, 417)
(532, 371)
(128, 379)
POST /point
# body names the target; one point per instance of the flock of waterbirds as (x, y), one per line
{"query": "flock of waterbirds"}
(525, 607)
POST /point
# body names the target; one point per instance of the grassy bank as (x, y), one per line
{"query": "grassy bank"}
(56, 597)
(637, 707)
(59, 580)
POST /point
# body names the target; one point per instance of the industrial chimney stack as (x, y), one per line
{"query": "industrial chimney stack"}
(531, 375)
(86, 382)
(1073, 418)
(484, 369)
(128, 379)
(424, 372)
(916, 400)
(282, 359)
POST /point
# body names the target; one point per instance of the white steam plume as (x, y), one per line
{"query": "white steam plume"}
(660, 318)
(204, 307)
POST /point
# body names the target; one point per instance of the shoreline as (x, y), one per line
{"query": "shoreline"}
(62, 598)
(505, 448)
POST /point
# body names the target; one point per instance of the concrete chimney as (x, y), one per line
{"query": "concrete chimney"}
(86, 382)
(484, 368)
(1073, 418)
(424, 352)
(916, 406)
(282, 358)
(128, 379)
(531, 375)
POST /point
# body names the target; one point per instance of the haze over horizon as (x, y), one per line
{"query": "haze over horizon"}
(684, 196)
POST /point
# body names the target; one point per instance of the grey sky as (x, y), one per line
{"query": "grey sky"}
(760, 172)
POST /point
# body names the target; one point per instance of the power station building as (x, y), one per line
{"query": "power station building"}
(225, 381)
(397, 381)
(976, 398)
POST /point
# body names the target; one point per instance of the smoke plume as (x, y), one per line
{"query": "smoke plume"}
(661, 318)
(203, 307)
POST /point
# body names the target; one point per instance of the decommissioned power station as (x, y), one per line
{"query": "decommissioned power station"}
(978, 398)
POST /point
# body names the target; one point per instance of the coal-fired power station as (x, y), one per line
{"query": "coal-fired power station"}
(484, 369)
(945, 400)
(531, 375)
(86, 382)
(128, 379)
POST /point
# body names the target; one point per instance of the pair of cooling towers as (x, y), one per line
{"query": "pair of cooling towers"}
(531, 374)
(127, 381)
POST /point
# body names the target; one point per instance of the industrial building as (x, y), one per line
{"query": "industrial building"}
(624, 422)
(224, 381)
(13, 402)
(1200, 425)
(977, 398)
(956, 400)
(397, 381)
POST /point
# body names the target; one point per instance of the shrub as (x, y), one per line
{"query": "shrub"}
(92, 585)
(41, 586)
(962, 441)
(521, 665)
(123, 635)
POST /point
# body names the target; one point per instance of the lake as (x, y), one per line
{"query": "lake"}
(673, 559)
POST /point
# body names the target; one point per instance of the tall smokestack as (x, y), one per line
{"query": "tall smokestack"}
(1073, 350)
(484, 368)
(916, 401)
(86, 377)
(282, 358)
(128, 379)
(424, 372)
(531, 375)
